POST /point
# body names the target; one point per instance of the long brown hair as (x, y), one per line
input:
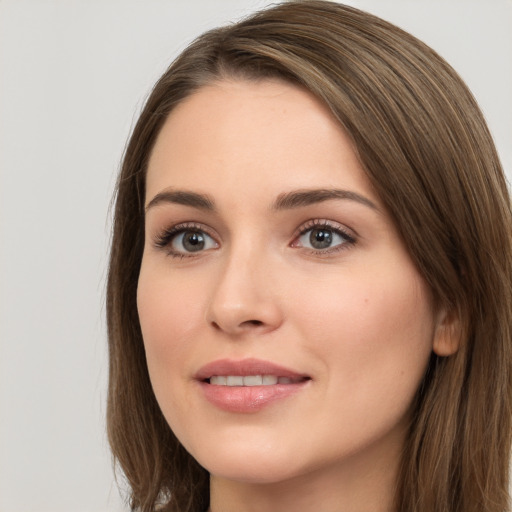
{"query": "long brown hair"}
(425, 146)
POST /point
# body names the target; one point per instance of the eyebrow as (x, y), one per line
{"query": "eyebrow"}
(285, 201)
(300, 198)
(186, 198)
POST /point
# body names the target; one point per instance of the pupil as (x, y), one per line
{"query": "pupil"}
(193, 241)
(320, 238)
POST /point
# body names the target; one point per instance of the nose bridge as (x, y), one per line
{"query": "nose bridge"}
(243, 297)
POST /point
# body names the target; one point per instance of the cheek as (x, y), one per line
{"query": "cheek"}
(388, 315)
(168, 312)
(364, 306)
(375, 330)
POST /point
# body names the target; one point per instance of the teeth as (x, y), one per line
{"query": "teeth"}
(269, 380)
(219, 380)
(253, 380)
(235, 380)
(249, 380)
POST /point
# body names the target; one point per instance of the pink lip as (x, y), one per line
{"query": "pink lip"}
(247, 399)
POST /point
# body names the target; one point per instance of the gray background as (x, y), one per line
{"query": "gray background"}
(73, 76)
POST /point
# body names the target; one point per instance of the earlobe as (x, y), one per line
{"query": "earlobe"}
(448, 333)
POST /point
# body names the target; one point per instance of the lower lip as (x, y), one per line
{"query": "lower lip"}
(247, 399)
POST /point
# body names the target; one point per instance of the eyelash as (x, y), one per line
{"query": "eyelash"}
(348, 238)
(166, 237)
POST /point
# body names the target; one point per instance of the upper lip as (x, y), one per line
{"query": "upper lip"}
(245, 367)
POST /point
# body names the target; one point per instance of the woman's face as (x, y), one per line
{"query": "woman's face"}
(285, 325)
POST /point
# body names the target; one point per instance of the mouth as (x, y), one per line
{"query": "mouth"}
(252, 380)
(248, 385)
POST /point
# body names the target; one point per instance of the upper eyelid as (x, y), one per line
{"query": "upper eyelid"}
(174, 229)
(164, 236)
(189, 225)
(319, 222)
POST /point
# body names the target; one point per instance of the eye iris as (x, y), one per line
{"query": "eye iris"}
(320, 238)
(193, 241)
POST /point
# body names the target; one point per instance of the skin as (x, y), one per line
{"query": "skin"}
(356, 317)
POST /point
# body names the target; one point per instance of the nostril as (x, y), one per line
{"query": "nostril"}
(253, 322)
(247, 323)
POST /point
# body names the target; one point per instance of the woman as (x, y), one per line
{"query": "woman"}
(309, 292)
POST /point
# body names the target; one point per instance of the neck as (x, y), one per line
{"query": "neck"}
(363, 485)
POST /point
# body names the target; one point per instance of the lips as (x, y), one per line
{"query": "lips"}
(248, 385)
(251, 380)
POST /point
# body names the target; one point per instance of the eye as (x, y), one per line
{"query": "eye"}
(185, 240)
(192, 241)
(321, 236)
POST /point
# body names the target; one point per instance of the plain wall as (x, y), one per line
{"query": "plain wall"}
(73, 76)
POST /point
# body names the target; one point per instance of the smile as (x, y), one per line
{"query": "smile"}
(248, 385)
(252, 380)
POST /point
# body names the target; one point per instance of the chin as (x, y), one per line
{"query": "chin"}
(250, 462)
(253, 472)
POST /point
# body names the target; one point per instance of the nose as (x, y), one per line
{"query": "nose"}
(244, 298)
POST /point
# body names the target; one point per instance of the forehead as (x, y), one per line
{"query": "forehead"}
(265, 135)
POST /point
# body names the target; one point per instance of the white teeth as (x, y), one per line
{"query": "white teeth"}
(253, 380)
(269, 380)
(219, 380)
(235, 380)
(248, 380)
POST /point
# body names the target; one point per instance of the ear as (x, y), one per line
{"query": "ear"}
(448, 333)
